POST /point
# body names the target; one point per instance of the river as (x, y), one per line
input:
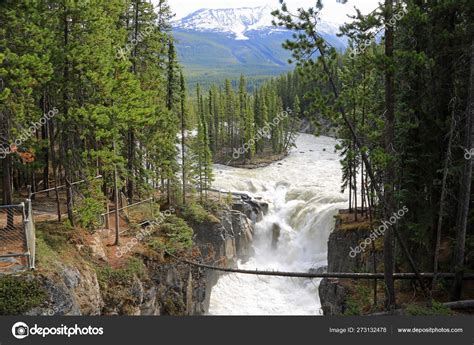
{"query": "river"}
(303, 192)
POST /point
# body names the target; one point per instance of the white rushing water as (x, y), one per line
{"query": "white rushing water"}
(303, 192)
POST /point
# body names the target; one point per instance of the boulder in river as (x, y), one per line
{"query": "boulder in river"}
(275, 235)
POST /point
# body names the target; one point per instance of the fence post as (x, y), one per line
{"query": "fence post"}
(107, 210)
(30, 194)
(30, 232)
(69, 201)
(58, 202)
(151, 208)
(117, 219)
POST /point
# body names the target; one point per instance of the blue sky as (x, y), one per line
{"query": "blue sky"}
(333, 11)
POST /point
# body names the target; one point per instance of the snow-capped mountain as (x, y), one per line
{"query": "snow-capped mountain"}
(238, 21)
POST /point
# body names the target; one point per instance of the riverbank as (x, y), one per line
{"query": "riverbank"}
(258, 162)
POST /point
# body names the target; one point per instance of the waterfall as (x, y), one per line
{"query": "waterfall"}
(303, 193)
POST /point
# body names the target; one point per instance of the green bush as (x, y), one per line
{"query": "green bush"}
(121, 276)
(359, 301)
(18, 295)
(89, 212)
(116, 285)
(436, 309)
(196, 213)
(91, 206)
(229, 199)
(176, 236)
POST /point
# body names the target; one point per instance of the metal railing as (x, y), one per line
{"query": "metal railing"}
(136, 213)
(30, 232)
(17, 238)
(63, 186)
(68, 189)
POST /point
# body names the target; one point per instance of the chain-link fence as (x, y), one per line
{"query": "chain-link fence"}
(14, 249)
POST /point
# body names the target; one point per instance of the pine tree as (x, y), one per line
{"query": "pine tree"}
(24, 66)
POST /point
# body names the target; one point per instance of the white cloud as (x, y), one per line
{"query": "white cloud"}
(333, 11)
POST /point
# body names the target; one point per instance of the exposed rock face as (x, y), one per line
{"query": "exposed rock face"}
(333, 297)
(225, 243)
(332, 292)
(71, 292)
(253, 209)
(321, 126)
(172, 290)
(340, 244)
(169, 287)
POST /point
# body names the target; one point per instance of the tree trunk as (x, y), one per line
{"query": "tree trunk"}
(389, 177)
(45, 137)
(465, 190)
(66, 134)
(183, 147)
(55, 167)
(131, 155)
(362, 187)
(117, 218)
(131, 134)
(6, 159)
(7, 191)
(70, 202)
(7, 181)
(442, 202)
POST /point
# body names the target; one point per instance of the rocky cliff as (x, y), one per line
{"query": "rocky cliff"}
(73, 277)
(336, 294)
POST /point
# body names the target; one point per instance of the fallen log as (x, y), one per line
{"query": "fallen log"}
(341, 275)
(459, 305)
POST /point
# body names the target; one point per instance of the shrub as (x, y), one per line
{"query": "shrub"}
(358, 302)
(88, 213)
(91, 206)
(121, 276)
(229, 199)
(176, 236)
(116, 285)
(18, 295)
(195, 213)
(436, 309)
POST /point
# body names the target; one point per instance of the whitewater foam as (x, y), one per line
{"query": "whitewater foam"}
(303, 191)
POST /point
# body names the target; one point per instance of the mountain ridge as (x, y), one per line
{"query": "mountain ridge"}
(237, 21)
(214, 44)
